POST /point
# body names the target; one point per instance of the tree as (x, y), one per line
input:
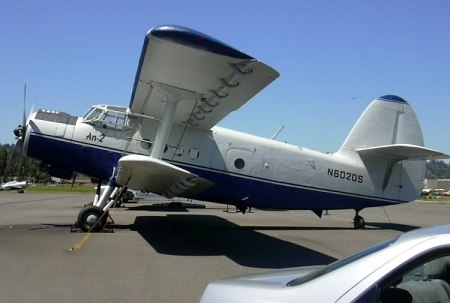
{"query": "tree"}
(437, 169)
(3, 159)
(31, 169)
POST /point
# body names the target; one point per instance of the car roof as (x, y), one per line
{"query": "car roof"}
(374, 256)
(423, 233)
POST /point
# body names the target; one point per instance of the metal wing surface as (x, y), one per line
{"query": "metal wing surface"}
(159, 177)
(403, 152)
(213, 78)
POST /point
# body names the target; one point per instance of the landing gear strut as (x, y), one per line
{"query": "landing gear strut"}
(358, 221)
(93, 218)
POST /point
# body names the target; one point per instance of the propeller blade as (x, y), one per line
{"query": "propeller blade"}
(24, 118)
(74, 179)
(21, 158)
(17, 153)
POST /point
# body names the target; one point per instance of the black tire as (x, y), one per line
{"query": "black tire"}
(92, 219)
(128, 195)
(358, 222)
(119, 203)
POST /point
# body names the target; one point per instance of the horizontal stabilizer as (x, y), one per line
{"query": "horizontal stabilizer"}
(395, 153)
(402, 152)
(159, 177)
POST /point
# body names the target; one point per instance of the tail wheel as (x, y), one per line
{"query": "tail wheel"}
(92, 219)
(359, 222)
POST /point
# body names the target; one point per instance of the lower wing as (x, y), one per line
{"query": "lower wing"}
(159, 177)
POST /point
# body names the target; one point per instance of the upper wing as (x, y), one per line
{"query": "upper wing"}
(159, 177)
(216, 78)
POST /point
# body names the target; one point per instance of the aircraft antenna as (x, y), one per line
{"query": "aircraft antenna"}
(277, 132)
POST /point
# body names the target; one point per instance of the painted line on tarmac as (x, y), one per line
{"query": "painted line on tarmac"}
(80, 244)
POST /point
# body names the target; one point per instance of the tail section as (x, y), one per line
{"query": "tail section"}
(388, 120)
(388, 139)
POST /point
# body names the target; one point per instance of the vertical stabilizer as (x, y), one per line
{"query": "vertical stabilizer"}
(388, 140)
(387, 120)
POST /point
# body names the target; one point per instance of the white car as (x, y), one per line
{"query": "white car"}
(414, 267)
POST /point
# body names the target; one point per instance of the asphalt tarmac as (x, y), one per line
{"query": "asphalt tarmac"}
(156, 254)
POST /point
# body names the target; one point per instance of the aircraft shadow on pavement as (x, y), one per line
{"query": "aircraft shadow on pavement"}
(392, 226)
(158, 207)
(206, 235)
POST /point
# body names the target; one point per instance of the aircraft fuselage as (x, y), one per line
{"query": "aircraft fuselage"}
(246, 170)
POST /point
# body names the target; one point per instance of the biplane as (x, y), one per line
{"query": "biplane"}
(167, 141)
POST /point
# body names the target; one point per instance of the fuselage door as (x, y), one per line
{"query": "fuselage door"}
(240, 162)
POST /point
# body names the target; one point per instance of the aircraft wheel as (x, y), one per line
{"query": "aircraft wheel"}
(92, 219)
(21, 191)
(358, 222)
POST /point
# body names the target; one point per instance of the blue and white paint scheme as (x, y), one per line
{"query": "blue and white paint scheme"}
(167, 140)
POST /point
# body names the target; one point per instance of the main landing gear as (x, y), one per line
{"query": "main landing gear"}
(93, 218)
(358, 221)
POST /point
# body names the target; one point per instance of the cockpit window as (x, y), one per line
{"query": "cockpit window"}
(110, 117)
(93, 114)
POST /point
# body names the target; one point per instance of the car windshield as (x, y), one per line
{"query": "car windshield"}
(343, 262)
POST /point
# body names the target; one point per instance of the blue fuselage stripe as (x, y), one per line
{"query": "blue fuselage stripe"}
(229, 188)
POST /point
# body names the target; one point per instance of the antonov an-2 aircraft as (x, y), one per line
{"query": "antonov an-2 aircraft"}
(167, 140)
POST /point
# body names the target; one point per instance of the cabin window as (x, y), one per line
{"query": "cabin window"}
(110, 118)
(179, 151)
(114, 120)
(239, 163)
(121, 119)
(146, 144)
(193, 153)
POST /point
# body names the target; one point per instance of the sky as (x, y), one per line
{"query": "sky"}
(334, 58)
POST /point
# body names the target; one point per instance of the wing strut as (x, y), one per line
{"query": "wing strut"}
(173, 97)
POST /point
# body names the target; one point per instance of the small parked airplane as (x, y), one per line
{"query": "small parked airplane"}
(167, 141)
(15, 185)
